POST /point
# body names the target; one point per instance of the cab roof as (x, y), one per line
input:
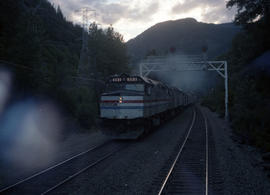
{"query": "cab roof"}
(122, 78)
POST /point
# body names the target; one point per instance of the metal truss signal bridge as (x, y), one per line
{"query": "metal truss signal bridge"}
(180, 63)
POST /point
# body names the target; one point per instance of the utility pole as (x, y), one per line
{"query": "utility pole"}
(84, 63)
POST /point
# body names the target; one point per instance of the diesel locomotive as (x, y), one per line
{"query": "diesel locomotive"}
(132, 105)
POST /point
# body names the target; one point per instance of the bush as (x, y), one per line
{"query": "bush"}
(249, 108)
(82, 103)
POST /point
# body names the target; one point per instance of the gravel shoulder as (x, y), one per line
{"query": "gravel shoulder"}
(240, 165)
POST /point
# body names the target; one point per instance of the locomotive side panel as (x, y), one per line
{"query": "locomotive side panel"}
(156, 101)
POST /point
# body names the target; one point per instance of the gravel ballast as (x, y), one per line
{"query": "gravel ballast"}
(240, 165)
(132, 170)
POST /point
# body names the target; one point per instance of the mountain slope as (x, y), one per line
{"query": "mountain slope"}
(186, 35)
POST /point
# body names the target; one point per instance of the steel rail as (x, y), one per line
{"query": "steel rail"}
(79, 172)
(206, 155)
(50, 168)
(178, 155)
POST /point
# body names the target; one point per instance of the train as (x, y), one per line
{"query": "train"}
(132, 105)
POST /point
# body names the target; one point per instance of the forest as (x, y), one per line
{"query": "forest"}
(249, 75)
(42, 50)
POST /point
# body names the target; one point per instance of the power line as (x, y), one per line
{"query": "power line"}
(16, 65)
(3, 62)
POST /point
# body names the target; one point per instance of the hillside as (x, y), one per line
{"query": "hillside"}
(186, 35)
(41, 49)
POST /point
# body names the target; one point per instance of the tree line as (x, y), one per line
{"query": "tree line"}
(249, 89)
(46, 47)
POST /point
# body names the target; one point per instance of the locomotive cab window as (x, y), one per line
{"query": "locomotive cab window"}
(148, 90)
(134, 87)
(170, 93)
(124, 86)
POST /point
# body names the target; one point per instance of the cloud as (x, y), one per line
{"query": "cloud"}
(130, 17)
(113, 12)
(109, 12)
(211, 10)
(185, 7)
(145, 14)
(218, 15)
(188, 5)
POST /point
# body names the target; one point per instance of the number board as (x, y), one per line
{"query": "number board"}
(124, 79)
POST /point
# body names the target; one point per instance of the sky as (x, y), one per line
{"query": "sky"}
(132, 17)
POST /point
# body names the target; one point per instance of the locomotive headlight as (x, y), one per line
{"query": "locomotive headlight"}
(120, 100)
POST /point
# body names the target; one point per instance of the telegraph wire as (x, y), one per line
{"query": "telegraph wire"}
(5, 63)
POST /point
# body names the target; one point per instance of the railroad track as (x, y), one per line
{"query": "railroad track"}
(191, 169)
(53, 177)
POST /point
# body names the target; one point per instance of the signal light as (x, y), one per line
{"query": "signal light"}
(120, 100)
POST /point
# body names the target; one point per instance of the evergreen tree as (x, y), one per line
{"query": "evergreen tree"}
(46, 48)
(249, 11)
(249, 86)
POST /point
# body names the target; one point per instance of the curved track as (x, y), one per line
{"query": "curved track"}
(188, 173)
(53, 177)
